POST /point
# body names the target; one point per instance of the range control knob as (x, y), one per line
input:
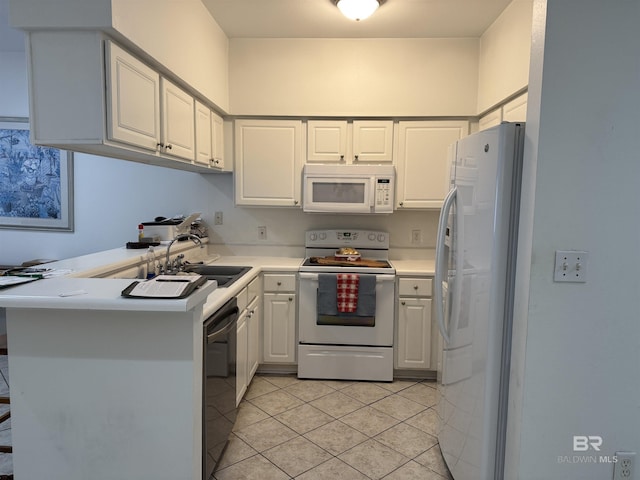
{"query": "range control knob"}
(323, 236)
(372, 236)
(313, 236)
(381, 237)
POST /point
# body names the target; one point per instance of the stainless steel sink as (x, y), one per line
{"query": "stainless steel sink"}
(225, 275)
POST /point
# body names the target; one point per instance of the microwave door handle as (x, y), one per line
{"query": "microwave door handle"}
(372, 200)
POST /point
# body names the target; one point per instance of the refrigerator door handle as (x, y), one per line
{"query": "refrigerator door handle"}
(441, 262)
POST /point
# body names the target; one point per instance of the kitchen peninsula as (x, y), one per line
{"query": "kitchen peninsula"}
(103, 386)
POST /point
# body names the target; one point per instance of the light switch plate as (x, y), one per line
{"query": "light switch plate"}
(571, 266)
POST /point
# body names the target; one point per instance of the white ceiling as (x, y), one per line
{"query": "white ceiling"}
(321, 18)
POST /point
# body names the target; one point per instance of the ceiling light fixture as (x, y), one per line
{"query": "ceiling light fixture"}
(358, 9)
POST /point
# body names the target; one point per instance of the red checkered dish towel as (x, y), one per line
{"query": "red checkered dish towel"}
(347, 292)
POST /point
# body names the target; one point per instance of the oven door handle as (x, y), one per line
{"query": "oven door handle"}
(379, 278)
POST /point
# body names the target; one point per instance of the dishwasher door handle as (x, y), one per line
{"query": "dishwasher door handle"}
(212, 337)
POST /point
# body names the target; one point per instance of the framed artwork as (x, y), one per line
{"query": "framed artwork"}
(36, 183)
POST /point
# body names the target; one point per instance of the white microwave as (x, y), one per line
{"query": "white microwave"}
(348, 188)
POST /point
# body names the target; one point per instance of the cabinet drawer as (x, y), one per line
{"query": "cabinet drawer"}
(414, 287)
(278, 282)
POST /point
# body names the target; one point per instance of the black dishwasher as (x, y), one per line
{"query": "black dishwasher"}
(219, 384)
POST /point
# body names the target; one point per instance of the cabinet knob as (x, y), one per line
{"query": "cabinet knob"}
(403, 302)
(401, 204)
(159, 145)
(291, 299)
(295, 202)
(279, 283)
(355, 158)
(415, 287)
(342, 158)
(169, 146)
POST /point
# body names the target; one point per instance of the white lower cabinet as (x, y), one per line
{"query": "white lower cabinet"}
(248, 340)
(254, 316)
(413, 326)
(241, 357)
(279, 325)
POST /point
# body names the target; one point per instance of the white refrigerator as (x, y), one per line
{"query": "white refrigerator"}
(474, 289)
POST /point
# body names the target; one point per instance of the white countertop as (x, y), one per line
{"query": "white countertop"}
(259, 264)
(75, 291)
(94, 294)
(415, 267)
(105, 294)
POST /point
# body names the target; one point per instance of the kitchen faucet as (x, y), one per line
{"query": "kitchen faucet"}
(168, 268)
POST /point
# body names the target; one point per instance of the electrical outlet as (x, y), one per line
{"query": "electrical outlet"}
(624, 466)
(218, 218)
(416, 236)
(262, 233)
(571, 266)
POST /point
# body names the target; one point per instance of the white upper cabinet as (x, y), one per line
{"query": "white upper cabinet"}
(88, 94)
(133, 101)
(178, 121)
(516, 109)
(209, 137)
(373, 141)
(339, 141)
(423, 161)
(491, 119)
(217, 137)
(268, 167)
(204, 145)
(326, 141)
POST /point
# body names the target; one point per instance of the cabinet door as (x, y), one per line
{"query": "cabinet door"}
(516, 109)
(204, 131)
(279, 328)
(241, 357)
(217, 140)
(268, 162)
(372, 141)
(414, 333)
(326, 141)
(133, 100)
(253, 330)
(423, 161)
(178, 121)
(491, 119)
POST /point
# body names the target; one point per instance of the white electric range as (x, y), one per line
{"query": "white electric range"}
(346, 346)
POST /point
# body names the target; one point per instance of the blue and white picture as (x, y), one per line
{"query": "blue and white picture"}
(36, 183)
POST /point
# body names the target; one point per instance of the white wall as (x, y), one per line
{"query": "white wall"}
(503, 66)
(182, 35)
(577, 345)
(351, 77)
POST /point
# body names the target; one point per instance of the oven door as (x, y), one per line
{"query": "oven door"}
(344, 194)
(315, 330)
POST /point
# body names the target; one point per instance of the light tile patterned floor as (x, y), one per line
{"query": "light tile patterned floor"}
(317, 430)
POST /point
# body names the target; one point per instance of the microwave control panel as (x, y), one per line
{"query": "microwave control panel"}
(383, 192)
